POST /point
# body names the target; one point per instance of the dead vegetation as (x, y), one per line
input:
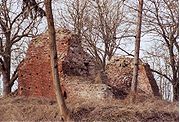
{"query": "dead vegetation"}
(16, 108)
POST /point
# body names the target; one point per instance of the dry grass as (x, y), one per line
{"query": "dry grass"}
(40, 109)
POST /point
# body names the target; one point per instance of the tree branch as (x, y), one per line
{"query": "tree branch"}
(157, 72)
(1, 46)
(125, 51)
(14, 77)
(2, 67)
(125, 36)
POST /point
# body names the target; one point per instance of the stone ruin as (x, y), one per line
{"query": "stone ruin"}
(77, 71)
(35, 71)
(119, 71)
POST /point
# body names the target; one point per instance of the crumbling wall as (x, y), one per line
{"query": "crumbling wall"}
(34, 73)
(119, 72)
(35, 77)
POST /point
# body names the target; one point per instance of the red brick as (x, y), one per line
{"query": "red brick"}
(35, 78)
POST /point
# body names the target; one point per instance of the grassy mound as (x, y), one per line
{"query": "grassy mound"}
(41, 109)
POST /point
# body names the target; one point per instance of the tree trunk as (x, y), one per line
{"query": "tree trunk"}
(176, 92)
(6, 75)
(54, 62)
(8, 81)
(175, 71)
(6, 86)
(136, 54)
(6, 71)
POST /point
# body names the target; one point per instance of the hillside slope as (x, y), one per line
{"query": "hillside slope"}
(16, 108)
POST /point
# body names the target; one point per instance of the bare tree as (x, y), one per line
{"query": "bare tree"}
(54, 62)
(161, 18)
(14, 27)
(99, 24)
(136, 54)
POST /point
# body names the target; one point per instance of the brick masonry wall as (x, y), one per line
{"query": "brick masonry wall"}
(35, 71)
